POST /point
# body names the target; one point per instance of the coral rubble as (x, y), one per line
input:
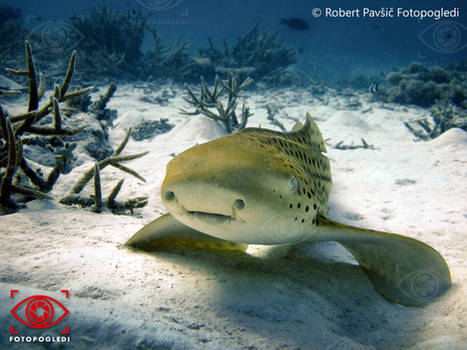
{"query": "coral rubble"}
(340, 145)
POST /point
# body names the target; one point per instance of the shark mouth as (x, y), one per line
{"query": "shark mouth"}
(210, 218)
(177, 208)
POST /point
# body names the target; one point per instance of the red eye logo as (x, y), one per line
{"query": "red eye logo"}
(39, 311)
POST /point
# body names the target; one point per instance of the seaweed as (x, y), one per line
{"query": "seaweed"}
(445, 115)
(96, 201)
(209, 100)
(16, 131)
(256, 53)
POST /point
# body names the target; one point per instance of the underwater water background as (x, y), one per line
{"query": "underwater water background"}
(398, 162)
(329, 48)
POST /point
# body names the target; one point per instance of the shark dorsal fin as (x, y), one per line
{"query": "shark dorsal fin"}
(298, 125)
(309, 134)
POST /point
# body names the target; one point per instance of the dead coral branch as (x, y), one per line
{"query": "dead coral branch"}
(258, 51)
(445, 115)
(208, 100)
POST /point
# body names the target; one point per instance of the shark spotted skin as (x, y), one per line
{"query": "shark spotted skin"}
(259, 186)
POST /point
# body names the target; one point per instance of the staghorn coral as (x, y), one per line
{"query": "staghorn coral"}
(45, 126)
(96, 201)
(209, 100)
(444, 116)
(8, 87)
(95, 138)
(17, 176)
(169, 60)
(99, 108)
(79, 103)
(256, 52)
(109, 43)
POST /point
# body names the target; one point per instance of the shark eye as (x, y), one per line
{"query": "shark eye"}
(292, 184)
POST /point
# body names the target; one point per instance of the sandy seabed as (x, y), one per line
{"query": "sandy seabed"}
(311, 297)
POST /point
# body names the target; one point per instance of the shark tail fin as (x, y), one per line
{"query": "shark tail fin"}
(167, 233)
(402, 269)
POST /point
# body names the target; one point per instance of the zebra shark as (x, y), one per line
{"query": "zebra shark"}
(259, 186)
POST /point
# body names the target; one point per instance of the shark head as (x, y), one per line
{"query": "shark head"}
(236, 189)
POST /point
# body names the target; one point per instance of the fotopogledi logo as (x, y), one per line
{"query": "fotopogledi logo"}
(444, 37)
(290, 77)
(55, 37)
(39, 312)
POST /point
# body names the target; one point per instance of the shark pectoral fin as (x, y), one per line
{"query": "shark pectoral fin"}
(402, 269)
(166, 232)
